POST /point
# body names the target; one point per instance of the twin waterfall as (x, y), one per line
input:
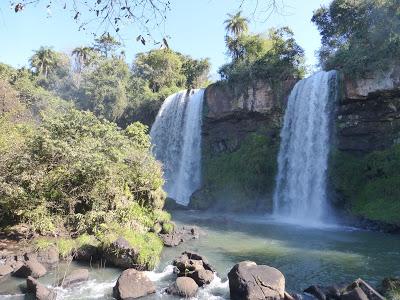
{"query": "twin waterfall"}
(176, 135)
(300, 192)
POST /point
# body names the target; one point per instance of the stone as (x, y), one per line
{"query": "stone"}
(31, 268)
(39, 291)
(183, 287)
(195, 266)
(121, 254)
(202, 276)
(370, 292)
(87, 253)
(5, 270)
(49, 256)
(316, 291)
(76, 276)
(355, 294)
(180, 235)
(249, 281)
(133, 284)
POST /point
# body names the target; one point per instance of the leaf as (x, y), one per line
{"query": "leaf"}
(19, 7)
(143, 41)
(76, 16)
(165, 43)
(138, 38)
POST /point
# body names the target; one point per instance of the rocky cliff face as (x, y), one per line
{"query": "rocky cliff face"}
(240, 143)
(365, 166)
(368, 116)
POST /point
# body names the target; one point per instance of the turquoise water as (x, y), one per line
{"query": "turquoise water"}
(305, 256)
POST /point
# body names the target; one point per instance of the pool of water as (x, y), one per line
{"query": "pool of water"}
(305, 255)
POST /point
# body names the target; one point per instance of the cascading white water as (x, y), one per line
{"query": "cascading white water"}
(300, 192)
(176, 135)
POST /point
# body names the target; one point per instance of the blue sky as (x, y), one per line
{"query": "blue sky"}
(195, 27)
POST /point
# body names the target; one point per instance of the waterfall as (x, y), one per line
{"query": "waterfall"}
(176, 135)
(300, 192)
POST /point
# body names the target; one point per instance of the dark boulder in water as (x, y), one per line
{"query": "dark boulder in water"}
(39, 291)
(76, 276)
(133, 284)
(31, 268)
(180, 235)
(249, 281)
(183, 287)
(195, 266)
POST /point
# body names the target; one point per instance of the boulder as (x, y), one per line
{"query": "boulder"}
(247, 280)
(183, 287)
(31, 268)
(49, 256)
(87, 253)
(5, 270)
(195, 266)
(133, 284)
(74, 277)
(322, 293)
(179, 235)
(355, 294)
(366, 288)
(121, 254)
(39, 291)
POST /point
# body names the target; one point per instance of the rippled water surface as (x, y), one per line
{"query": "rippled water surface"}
(305, 255)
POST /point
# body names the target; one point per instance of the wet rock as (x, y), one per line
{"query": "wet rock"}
(247, 280)
(76, 276)
(355, 294)
(183, 287)
(316, 291)
(180, 235)
(121, 254)
(171, 204)
(133, 284)
(195, 266)
(39, 291)
(31, 268)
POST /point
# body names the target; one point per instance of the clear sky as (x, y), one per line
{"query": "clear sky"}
(195, 28)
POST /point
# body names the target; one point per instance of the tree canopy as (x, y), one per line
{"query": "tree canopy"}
(359, 36)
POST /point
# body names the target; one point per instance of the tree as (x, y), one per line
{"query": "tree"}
(236, 24)
(106, 45)
(82, 55)
(161, 68)
(359, 36)
(44, 61)
(105, 89)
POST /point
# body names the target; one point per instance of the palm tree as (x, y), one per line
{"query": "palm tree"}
(234, 47)
(44, 61)
(236, 24)
(82, 55)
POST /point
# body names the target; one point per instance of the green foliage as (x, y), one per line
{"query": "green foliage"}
(359, 36)
(76, 165)
(369, 183)
(245, 175)
(105, 89)
(274, 58)
(167, 227)
(147, 244)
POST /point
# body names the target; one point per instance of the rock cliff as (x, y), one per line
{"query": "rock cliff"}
(368, 116)
(240, 143)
